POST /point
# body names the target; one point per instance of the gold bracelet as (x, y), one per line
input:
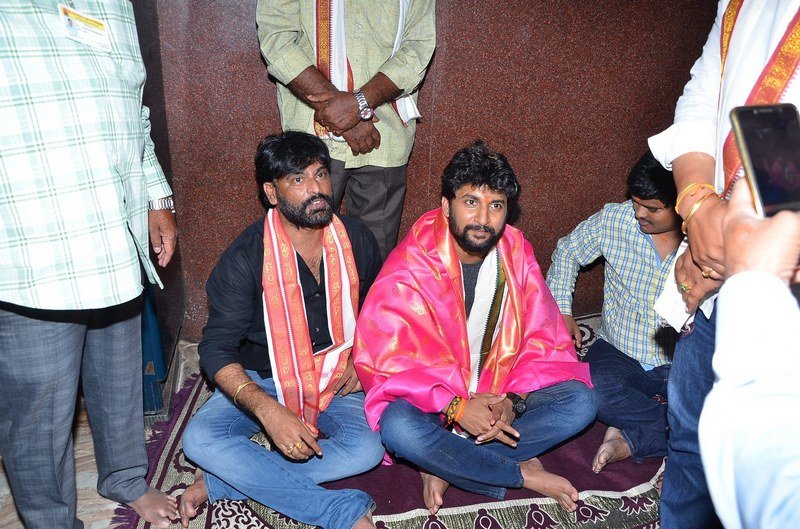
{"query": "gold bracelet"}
(686, 190)
(695, 207)
(240, 388)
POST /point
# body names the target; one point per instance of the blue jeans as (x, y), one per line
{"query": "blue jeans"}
(43, 354)
(554, 414)
(625, 392)
(217, 439)
(685, 500)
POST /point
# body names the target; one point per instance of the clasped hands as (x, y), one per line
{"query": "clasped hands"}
(338, 112)
(488, 417)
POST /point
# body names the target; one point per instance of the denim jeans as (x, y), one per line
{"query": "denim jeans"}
(43, 354)
(625, 392)
(554, 414)
(685, 500)
(217, 439)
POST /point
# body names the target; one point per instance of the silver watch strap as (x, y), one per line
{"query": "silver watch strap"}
(161, 203)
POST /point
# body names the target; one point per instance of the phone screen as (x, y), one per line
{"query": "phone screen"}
(771, 135)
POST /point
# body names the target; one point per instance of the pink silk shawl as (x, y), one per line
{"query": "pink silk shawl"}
(411, 336)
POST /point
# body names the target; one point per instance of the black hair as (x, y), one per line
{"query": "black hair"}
(649, 180)
(287, 153)
(479, 166)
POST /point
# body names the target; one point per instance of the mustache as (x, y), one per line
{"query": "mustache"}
(327, 198)
(480, 227)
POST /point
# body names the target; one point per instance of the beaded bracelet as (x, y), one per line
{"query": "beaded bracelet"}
(454, 410)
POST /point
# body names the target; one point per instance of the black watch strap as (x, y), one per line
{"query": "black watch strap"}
(518, 404)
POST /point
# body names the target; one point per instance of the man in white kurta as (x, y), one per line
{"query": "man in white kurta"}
(693, 148)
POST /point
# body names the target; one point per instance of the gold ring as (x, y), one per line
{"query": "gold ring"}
(706, 273)
(289, 449)
(685, 287)
(298, 445)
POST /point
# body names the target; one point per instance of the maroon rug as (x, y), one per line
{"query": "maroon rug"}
(621, 497)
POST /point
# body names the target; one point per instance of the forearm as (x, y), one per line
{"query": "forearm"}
(234, 382)
(692, 168)
(379, 90)
(310, 82)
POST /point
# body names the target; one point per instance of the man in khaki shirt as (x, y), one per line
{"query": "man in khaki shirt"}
(384, 50)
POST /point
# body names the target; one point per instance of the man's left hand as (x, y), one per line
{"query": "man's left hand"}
(349, 382)
(338, 111)
(163, 234)
(690, 281)
(502, 416)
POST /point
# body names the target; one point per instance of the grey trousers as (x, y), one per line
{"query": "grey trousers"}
(373, 195)
(43, 353)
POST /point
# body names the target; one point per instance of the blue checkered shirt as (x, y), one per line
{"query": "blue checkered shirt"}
(77, 165)
(634, 277)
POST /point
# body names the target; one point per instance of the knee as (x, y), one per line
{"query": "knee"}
(582, 404)
(196, 439)
(399, 427)
(370, 451)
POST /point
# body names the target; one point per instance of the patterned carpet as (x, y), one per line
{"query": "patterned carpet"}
(621, 497)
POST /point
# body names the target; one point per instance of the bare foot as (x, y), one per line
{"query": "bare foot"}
(365, 522)
(539, 480)
(433, 489)
(156, 507)
(614, 448)
(194, 496)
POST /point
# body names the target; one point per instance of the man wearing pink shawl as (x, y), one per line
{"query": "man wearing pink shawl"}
(460, 335)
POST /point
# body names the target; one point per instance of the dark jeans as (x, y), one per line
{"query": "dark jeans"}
(685, 500)
(554, 414)
(625, 392)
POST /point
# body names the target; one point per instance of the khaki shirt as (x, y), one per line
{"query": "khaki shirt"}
(286, 29)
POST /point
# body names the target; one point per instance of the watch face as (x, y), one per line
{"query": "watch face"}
(520, 407)
(366, 113)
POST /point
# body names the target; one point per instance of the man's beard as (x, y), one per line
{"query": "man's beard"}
(481, 248)
(301, 217)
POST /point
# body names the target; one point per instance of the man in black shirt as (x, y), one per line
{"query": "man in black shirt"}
(283, 302)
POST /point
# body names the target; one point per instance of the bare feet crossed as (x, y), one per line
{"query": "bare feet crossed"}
(194, 496)
(433, 489)
(614, 448)
(552, 485)
(156, 507)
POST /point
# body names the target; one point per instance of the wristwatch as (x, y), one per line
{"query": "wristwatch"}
(518, 404)
(365, 112)
(161, 203)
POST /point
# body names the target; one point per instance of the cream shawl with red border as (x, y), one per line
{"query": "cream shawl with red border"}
(304, 380)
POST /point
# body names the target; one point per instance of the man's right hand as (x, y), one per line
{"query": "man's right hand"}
(574, 330)
(363, 138)
(289, 434)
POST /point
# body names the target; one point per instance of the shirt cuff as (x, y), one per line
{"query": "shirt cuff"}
(401, 75)
(288, 65)
(681, 138)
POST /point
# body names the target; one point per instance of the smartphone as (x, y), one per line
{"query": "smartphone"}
(768, 137)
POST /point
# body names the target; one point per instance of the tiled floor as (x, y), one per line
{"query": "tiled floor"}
(95, 511)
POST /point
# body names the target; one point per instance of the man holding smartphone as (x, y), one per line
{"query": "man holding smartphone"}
(749, 58)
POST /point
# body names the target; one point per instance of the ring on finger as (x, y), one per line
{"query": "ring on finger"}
(706, 273)
(685, 287)
(289, 449)
(298, 445)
